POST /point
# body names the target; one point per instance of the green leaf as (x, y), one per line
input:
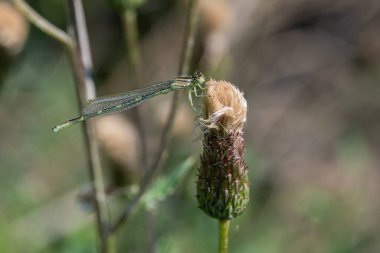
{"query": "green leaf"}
(165, 186)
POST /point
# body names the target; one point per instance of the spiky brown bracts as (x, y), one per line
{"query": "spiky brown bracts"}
(222, 186)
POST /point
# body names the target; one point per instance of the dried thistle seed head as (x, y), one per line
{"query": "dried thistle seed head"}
(118, 138)
(223, 106)
(13, 29)
(214, 14)
(222, 186)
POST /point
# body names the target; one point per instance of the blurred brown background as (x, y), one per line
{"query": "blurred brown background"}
(310, 72)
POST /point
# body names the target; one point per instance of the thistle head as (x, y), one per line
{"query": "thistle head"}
(222, 186)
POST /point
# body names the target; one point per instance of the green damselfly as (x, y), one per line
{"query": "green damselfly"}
(121, 102)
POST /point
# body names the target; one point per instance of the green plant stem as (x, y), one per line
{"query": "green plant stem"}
(129, 21)
(224, 227)
(189, 38)
(187, 51)
(43, 24)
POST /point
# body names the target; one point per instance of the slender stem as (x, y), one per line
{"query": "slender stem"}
(188, 42)
(187, 51)
(83, 51)
(93, 157)
(129, 22)
(224, 227)
(82, 67)
(133, 202)
(43, 24)
(81, 61)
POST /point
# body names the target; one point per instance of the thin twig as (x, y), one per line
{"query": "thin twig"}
(43, 24)
(82, 67)
(80, 57)
(187, 50)
(134, 201)
(78, 23)
(188, 43)
(129, 22)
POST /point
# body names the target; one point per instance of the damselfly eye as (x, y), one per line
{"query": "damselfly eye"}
(197, 74)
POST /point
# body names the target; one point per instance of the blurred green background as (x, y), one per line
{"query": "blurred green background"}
(310, 74)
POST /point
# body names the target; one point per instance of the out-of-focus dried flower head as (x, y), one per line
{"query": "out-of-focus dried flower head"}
(183, 122)
(119, 139)
(13, 29)
(222, 186)
(215, 36)
(214, 14)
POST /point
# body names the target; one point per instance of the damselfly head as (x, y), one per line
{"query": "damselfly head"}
(198, 79)
(197, 75)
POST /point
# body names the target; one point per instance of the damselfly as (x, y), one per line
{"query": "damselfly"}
(121, 102)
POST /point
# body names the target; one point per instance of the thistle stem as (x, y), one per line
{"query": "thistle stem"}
(224, 226)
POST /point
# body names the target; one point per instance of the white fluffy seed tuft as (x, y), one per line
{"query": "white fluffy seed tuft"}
(223, 106)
